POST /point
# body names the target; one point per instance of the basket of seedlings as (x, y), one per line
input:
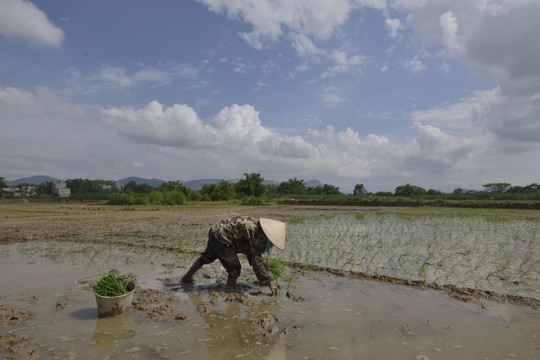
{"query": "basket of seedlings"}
(114, 294)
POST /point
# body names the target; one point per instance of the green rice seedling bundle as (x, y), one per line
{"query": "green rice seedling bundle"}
(275, 267)
(112, 285)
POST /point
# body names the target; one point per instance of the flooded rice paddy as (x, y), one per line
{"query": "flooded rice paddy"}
(481, 249)
(47, 309)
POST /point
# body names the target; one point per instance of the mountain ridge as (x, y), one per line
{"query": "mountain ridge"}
(195, 184)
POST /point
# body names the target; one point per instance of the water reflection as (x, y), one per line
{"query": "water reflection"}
(112, 330)
(234, 330)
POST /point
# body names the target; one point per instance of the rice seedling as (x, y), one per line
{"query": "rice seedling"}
(489, 249)
(112, 285)
(275, 267)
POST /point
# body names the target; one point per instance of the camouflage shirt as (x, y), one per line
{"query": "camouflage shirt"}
(245, 235)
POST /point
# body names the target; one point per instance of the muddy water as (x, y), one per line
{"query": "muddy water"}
(323, 317)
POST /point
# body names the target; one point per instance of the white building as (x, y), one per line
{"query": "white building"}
(59, 189)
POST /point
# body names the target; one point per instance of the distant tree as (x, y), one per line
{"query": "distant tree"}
(222, 191)
(251, 185)
(409, 190)
(531, 188)
(178, 186)
(133, 187)
(292, 186)
(326, 189)
(169, 185)
(44, 188)
(497, 188)
(85, 186)
(434, 192)
(331, 190)
(2, 186)
(359, 190)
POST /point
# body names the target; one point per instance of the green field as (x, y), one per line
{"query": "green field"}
(485, 249)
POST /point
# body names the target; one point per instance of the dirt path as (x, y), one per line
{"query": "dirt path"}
(36, 222)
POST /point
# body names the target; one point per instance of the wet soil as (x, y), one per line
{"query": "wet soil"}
(45, 298)
(72, 222)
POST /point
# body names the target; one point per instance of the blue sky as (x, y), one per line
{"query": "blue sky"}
(440, 94)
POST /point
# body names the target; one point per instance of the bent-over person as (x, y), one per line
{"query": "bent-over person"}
(245, 235)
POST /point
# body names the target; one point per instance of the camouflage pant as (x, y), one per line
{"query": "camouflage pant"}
(226, 255)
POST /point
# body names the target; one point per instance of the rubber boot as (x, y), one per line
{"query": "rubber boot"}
(231, 281)
(188, 277)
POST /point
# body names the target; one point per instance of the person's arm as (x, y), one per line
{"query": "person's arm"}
(261, 271)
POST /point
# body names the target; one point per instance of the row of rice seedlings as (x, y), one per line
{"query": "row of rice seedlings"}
(472, 251)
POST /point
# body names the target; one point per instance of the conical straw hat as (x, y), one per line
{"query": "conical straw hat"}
(274, 231)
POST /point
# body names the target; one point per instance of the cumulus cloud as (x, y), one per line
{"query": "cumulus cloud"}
(239, 125)
(235, 129)
(178, 125)
(21, 18)
(492, 38)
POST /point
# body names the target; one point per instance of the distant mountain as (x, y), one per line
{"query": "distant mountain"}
(313, 183)
(152, 182)
(198, 184)
(32, 180)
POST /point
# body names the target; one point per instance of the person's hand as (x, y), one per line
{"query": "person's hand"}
(272, 286)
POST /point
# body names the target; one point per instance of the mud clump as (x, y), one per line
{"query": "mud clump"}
(157, 305)
(16, 344)
(166, 312)
(207, 308)
(240, 298)
(10, 315)
(64, 301)
(262, 328)
(20, 348)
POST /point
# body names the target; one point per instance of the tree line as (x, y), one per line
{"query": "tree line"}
(251, 190)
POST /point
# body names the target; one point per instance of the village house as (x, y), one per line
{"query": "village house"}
(60, 189)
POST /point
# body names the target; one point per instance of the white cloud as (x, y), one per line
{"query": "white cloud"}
(119, 77)
(344, 63)
(450, 37)
(465, 115)
(304, 46)
(287, 147)
(177, 126)
(236, 129)
(415, 65)
(269, 18)
(492, 38)
(173, 142)
(21, 18)
(331, 99)
(239, 126)
(393, 25)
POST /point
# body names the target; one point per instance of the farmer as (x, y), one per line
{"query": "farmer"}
(241, 234)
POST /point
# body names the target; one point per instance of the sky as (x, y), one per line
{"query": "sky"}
(441, 94)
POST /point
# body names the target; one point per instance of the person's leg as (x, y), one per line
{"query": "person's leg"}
(228, 258)
(188, 277)
(206, 257)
